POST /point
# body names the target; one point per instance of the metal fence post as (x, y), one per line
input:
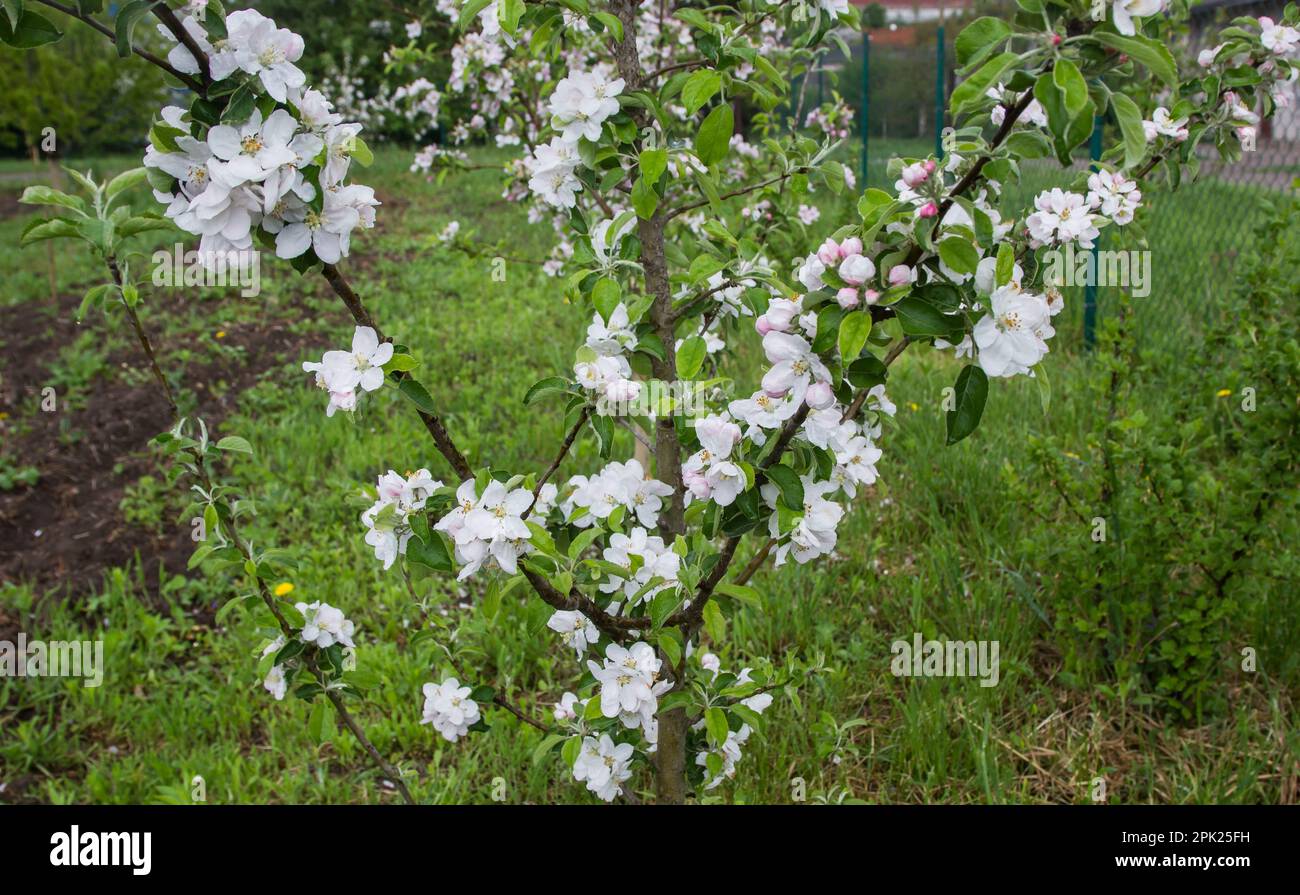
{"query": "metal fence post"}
(863, 114)
(1090, 289)
(938, 98)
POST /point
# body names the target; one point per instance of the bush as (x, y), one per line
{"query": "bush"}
(1174, 526)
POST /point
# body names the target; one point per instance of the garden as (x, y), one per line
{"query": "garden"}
(550, 408)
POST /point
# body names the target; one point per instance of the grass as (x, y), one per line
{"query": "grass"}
(933, 549)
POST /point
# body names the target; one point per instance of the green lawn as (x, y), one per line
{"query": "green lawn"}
(934, 548)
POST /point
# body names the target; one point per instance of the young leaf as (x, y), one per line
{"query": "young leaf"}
(1130, 127)
(854, 330)
(700, 88)
(690, 357)
(714, 137)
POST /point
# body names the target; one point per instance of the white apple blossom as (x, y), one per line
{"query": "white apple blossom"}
(276, 684)
(603, 766)
(1126, 10)
(627, 680)
(449, 708)
(324, 625)
(1008, 338)
(1062, 217)
(575, 629)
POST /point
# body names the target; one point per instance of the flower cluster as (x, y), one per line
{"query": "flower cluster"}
(387, 521)
(488, 525)
(342, 373)
(278, 168)
(604, 368)
(728, 754)
(629, 685)
(449, 708)
(710, 473)
(651, 566)
(604, 766)
(625, 485)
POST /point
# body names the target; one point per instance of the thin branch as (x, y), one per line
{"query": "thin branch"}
(668, 216)
(143, 54)
(173, 24)
(559, 458)
(501, 702)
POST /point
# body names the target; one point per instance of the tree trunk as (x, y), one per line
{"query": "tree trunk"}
(670, 761)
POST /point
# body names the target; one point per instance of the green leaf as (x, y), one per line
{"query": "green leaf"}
(53, 228)
(572, 747)
(700, 88)
(1006, 264)
(644, 199)
(690, 357)
(544, 386)
(417, 394)
(922, 319)
(1130, 127)
(433, 554)
(714, 137)
(124, 181)
(854, 330)
(979, 38)
(959, 254)
(1068, 80)
(714, 623)
(971, 392)
(511, 12)
(321, 723)
(94, 297)
(670, 641)
(31, 30)
(1151, 54)
(14, 10)
(715, 720)
(547, 745)
(653, 164)
(361, 152)
(143, 223)
(124, 25)
(401, 363)
(606, 296)
(613, 24)
(790, 484)
(471, 9)
(973, 88)
(235, 443)
(1044, 388)
(664, 604)
(44, 195)
(747, 595)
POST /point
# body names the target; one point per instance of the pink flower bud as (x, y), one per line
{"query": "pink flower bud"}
(851, 246)
(872, 296)
(900, 274)
(847, 297)
(930, 166)
(819, 396)
(1056, 40)
(776, 393)
(928, 210)
(763, 325)
(915, 175)
(829, 252)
